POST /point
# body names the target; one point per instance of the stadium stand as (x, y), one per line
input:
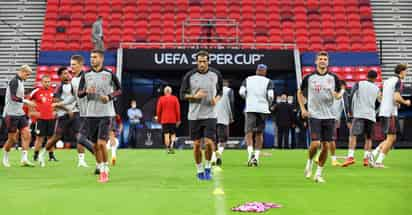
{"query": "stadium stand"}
(393, 27)
(17, 47)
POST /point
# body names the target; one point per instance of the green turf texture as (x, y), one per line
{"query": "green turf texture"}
(151, 182)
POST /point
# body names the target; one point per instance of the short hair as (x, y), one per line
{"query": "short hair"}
(98, 51)
(284, 93)
(372, 74)
(45, 76)
(167, 89)
(400, 67)
(78, 58)
(343, 82)
(202, 53)
(322, 53)
(61, 70)
(26, 67)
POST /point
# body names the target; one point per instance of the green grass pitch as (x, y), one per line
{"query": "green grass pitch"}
(150, 182)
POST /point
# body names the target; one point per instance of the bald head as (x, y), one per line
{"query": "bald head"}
(167, 90)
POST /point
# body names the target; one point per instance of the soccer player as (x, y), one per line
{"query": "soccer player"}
(76, 63)
(168, 114)
(321, 88)
(64, 102)
(362, 99)
(224, 117)
(392, 88)
(202, 88)
(15, 117)
(100, 86)
(45, 122)
(115, 132)
(257, 90)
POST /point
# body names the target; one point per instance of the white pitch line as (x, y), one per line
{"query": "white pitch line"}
(219, 198)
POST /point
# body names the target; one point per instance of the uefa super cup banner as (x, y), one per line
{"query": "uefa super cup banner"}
(223, 59)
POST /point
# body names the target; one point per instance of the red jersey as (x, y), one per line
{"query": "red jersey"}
(44, 100)
(168, 109)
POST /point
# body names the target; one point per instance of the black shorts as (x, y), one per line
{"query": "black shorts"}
(14, 123)
(202, 128)
(222, 133)
(45, 127)
(67, 125)
(390, 125)
(322, 129)
(255, 122)
(169, 128)
(98, 128)
(362, 127)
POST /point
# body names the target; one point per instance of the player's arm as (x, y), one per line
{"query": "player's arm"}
(219, 89)
(81, 92)
(301, 97)
(232, 105)
(242, 90)
(355, 89)
(339, 88)
(397, 95)
(185, 92)
(270, 94)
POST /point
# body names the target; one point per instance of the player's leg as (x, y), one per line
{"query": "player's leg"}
(327, 132)
(210, 138)
(23, 126)
(221, 144)
(113, 144)
(195, 135)
(250, 124)
(258, 146)
(11, 140)
(172, 140)
(356, 129)
(315, 129)
(260, 127)
(368, 142)
(104, 127)
(390, 129)
(166, 137)
(60, 127)
(37, 146)
(332, 145)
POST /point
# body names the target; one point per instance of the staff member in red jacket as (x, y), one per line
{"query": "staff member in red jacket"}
(43, 97)
(168, 114)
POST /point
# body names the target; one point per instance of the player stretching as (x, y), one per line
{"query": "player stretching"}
(322, 88)
(224, 117)
(258, 93)
(362, 99)
(101, 87)
(14, 116)
(392, 88)
(202, 88)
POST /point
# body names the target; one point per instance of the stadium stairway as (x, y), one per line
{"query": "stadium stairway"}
(393, 25)
(18, 47)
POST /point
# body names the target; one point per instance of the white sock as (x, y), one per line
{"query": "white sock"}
(376, 151)
(24, 155)
(114, 148)
(319, 171)
(250, 152)
(351, 153)
(333, 157)
(365, 154)
(81, 157)
(257, 153)
(221, 149)
(380, 158)
(106, 167)
(101, 167)
(208, 164)
(214, 156)
(199, 167)
(309, 164)
(5, 155)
